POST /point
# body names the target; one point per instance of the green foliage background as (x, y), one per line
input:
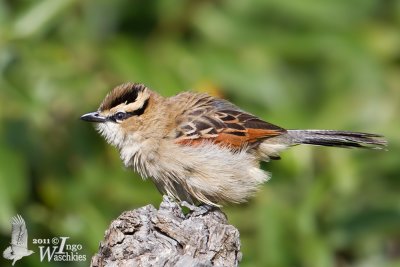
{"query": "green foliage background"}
(299, 64)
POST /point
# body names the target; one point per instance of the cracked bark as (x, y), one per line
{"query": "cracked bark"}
(167, 237)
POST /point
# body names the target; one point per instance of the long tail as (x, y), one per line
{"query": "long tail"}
(337, 138)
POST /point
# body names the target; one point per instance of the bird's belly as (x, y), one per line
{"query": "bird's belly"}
(208, 174)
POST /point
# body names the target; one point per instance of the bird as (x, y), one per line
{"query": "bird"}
(19, 241)
(201, 149)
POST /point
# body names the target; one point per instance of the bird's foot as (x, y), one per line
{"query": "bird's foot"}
(197, 210)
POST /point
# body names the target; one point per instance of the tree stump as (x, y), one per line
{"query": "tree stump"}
(167, 237)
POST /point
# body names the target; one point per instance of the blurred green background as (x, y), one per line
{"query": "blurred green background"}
(299, 64)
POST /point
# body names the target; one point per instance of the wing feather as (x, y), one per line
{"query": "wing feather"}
(19, 234)
(221, 122)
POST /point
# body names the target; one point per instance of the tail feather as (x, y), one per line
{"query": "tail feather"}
(337, 138)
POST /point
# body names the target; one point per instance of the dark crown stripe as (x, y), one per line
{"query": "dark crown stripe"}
(125, 93)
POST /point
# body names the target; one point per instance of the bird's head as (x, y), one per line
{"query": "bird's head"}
(122, 112)
(29, 252)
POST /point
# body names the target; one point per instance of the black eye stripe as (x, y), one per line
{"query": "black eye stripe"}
(141, 110)
(120, 115)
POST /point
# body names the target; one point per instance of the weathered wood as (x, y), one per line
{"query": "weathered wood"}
(167, 237)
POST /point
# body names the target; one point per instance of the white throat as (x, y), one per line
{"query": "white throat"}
(112, 132)
(131, 147)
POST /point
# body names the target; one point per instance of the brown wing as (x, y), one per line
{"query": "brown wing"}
(219, 121)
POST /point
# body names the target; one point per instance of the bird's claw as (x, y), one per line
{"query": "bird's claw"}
(197, 210)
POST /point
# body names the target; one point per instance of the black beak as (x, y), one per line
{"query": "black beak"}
(93, 117)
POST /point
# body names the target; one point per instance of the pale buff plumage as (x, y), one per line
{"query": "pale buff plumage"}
(198, 148)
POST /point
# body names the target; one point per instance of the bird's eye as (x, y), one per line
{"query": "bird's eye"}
(119, 116)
